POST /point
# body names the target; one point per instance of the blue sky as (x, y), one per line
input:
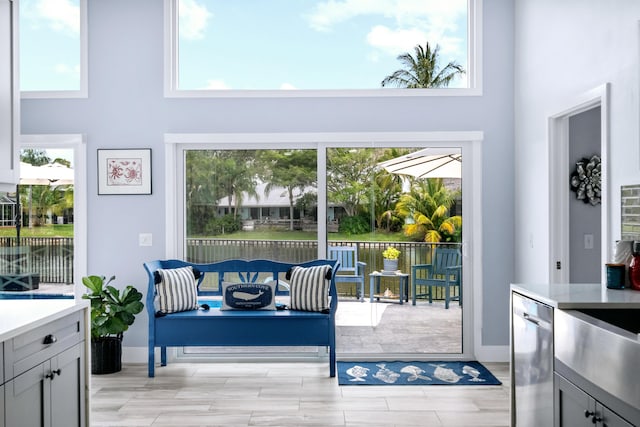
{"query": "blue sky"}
(261, 44)
(49, 44)
(308, 44)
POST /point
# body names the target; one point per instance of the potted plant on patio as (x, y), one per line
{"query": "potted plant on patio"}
(390, 259)
(112, 312)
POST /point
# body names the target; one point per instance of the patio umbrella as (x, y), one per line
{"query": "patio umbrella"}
(433, 162)
(54, 174)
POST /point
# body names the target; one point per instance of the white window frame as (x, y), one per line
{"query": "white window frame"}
(469, 141)
(83, 92)
(474, 71)
(77, 143)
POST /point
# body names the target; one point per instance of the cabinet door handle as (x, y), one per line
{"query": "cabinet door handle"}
(49, 339)
(588, 413)
(51, 375)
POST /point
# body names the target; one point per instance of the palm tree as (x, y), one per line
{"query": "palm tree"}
(422, 71)
(427, 204)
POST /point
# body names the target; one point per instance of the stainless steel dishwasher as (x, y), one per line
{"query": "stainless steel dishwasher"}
(532, 362)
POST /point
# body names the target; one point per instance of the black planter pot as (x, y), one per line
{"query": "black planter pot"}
(106, 355)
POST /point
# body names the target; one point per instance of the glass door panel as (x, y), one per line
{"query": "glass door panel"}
(400, 210)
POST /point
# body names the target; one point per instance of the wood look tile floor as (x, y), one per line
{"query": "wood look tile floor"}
(285, 394)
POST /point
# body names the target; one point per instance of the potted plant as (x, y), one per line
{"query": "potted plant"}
(112, 312)
(390, 259)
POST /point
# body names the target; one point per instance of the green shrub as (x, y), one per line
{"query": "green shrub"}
(223, 225)
(354, 225)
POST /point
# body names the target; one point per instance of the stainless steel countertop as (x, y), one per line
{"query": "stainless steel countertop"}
(18, 316)
(579, 295)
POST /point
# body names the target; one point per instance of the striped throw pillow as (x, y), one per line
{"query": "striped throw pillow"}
(177, 291)
(310, 288)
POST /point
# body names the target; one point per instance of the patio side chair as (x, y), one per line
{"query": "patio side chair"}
(445, 271)
(351, 270)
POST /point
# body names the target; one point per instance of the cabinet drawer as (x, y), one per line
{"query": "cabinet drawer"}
(31, 348)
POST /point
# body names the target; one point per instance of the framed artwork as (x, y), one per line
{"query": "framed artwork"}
(125, 171)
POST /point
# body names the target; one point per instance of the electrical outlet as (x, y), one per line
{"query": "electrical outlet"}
(145, 239)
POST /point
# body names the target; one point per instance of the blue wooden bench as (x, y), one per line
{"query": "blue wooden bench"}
(215, 327)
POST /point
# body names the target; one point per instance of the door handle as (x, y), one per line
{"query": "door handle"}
(528, 317)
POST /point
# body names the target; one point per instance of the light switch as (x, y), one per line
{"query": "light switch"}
(145, 239)
(588, 241)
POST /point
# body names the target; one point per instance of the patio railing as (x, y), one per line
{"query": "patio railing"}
(52, 257)
(411, 253)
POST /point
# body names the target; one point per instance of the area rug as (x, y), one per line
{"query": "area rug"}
(415, 373)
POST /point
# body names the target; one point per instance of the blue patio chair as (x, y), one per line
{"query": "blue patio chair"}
(445, 271)
(351, 270)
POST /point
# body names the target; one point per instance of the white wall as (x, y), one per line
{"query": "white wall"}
(126, 108)
(564, 49)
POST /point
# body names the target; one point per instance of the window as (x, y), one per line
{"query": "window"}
(53, 50)
(343, 186)
(294, 47)
(44, 221)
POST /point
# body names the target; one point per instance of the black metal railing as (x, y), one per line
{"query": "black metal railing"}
(50, 257)
(205, 250)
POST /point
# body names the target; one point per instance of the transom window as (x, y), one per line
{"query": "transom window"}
(290, 46)
(53, 48)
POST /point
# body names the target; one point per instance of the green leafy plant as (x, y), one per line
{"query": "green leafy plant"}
(112, 311)
(391, 253)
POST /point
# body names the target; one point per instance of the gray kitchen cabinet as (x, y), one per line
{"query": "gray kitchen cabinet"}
(45, 369)
(9, 96)
(576, 408)
(2, 406)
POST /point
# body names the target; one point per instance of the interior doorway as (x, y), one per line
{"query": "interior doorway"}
(578, 228)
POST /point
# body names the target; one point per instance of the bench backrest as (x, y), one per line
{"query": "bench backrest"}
(237, 270)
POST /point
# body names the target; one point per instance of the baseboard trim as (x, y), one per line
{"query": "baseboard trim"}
(493, 353)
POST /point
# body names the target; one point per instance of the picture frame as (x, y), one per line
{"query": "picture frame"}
(124, 171)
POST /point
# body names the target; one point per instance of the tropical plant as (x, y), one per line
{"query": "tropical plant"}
(427, 206)
(391, 253)
(291, 170)
(422, 70)
(112, 311)
(350, 174)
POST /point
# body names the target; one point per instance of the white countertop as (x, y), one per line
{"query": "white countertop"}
(18, 315)
(579, 295)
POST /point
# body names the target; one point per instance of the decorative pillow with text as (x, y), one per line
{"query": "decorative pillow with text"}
(249, 296)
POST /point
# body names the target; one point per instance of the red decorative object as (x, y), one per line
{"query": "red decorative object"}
(634, 267)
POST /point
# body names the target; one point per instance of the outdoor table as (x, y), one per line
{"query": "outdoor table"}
(403, 281)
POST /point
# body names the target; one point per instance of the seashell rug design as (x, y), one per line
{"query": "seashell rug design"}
(415, 373)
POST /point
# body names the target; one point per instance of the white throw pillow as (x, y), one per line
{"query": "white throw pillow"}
(177, 291)
(310, 288)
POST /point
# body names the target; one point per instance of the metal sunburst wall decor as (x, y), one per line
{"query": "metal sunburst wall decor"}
(586, 180)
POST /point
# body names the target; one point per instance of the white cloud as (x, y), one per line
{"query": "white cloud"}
(432, 14)
(395, 41)
(287, 86)
(61, 15)
(398, 41)
(193, 19)
(216, 85)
